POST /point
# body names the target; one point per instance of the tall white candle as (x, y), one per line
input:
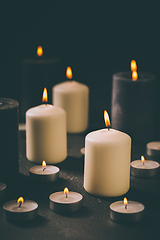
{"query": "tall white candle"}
(73, 97)
(107, 163)
(46, 134)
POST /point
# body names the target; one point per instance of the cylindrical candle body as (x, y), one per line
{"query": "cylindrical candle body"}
(9, 161)
(133, 105)
(37, 74)
(149, 169)
(153, 149)
(73, 97)
(107, 163)
(46, 134)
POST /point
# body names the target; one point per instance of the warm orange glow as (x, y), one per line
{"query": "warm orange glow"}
(43, 163)
(134, 75)
(106, 119)
(66, 191)
(20, 199)
(133, 65)
(142, 159)
(45, 95)
(125, 201)
(39, 51)
(69, 73)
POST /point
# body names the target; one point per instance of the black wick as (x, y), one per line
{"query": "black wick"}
(44, 168)
(20, 203)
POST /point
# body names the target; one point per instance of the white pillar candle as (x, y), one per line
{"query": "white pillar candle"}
(107, 163)
(73, 97)
(46, 134)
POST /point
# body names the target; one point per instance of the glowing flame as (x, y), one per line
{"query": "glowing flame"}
(45, 95)
(134, 75)
(143, 159)
(106, 119)
(20, 200)
(43, 163)
(125, 201)
(39, 51)
(133, 65)
(66, 191)
(69, 73)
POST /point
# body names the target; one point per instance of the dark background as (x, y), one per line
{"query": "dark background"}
(96, 38)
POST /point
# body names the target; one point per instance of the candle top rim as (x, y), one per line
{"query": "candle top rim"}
(100, 135)
(44, 110)
(53, 197)
(70, 86)
(53, 169)
(13, 203)
(127, 76)
(8, 103)
(2, 186)
(119, 207)
(154, 145)
(40, 60)
(145, 166)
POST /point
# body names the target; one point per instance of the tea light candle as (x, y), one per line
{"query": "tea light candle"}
(124, 211)
(2, 190)
(107, 162)
(46, 135)
(144, 168)
(73, 97)
(20, 210)
(65, 202)
(153, 149)
(44, 173)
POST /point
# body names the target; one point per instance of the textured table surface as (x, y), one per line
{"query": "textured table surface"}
(92, 221)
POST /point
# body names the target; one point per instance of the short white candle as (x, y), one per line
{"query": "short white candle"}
(107, 163)
(2, 190)
(153, 149)
(46, 136)
(44, 173)
(144, 168)
(73, 97)
(14, 212)
(132, 212)
(61, 202)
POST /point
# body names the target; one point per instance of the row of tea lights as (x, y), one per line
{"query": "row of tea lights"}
(67, 201)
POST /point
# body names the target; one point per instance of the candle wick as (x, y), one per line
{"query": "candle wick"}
(143, 163)
(44, 168)
(20, 204)
(126, 206)
(66, 195)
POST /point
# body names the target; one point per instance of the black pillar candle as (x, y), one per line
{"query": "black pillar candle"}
(133, 105)
(9, 160)
(37, 74)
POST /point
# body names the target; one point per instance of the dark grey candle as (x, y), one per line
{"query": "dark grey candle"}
(9, 160)
(37, 74)
(133, 105)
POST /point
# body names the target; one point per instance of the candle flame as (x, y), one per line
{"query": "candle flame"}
(20, 199)
(43, 163)
(66, 191)
(106, 119)
(133, 65)
(39, 51)
(45, 95)
(125, 201)
(69, 73)
(134, 75)
(142, 159)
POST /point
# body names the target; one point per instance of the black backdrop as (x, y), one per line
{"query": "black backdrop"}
(96, 38)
